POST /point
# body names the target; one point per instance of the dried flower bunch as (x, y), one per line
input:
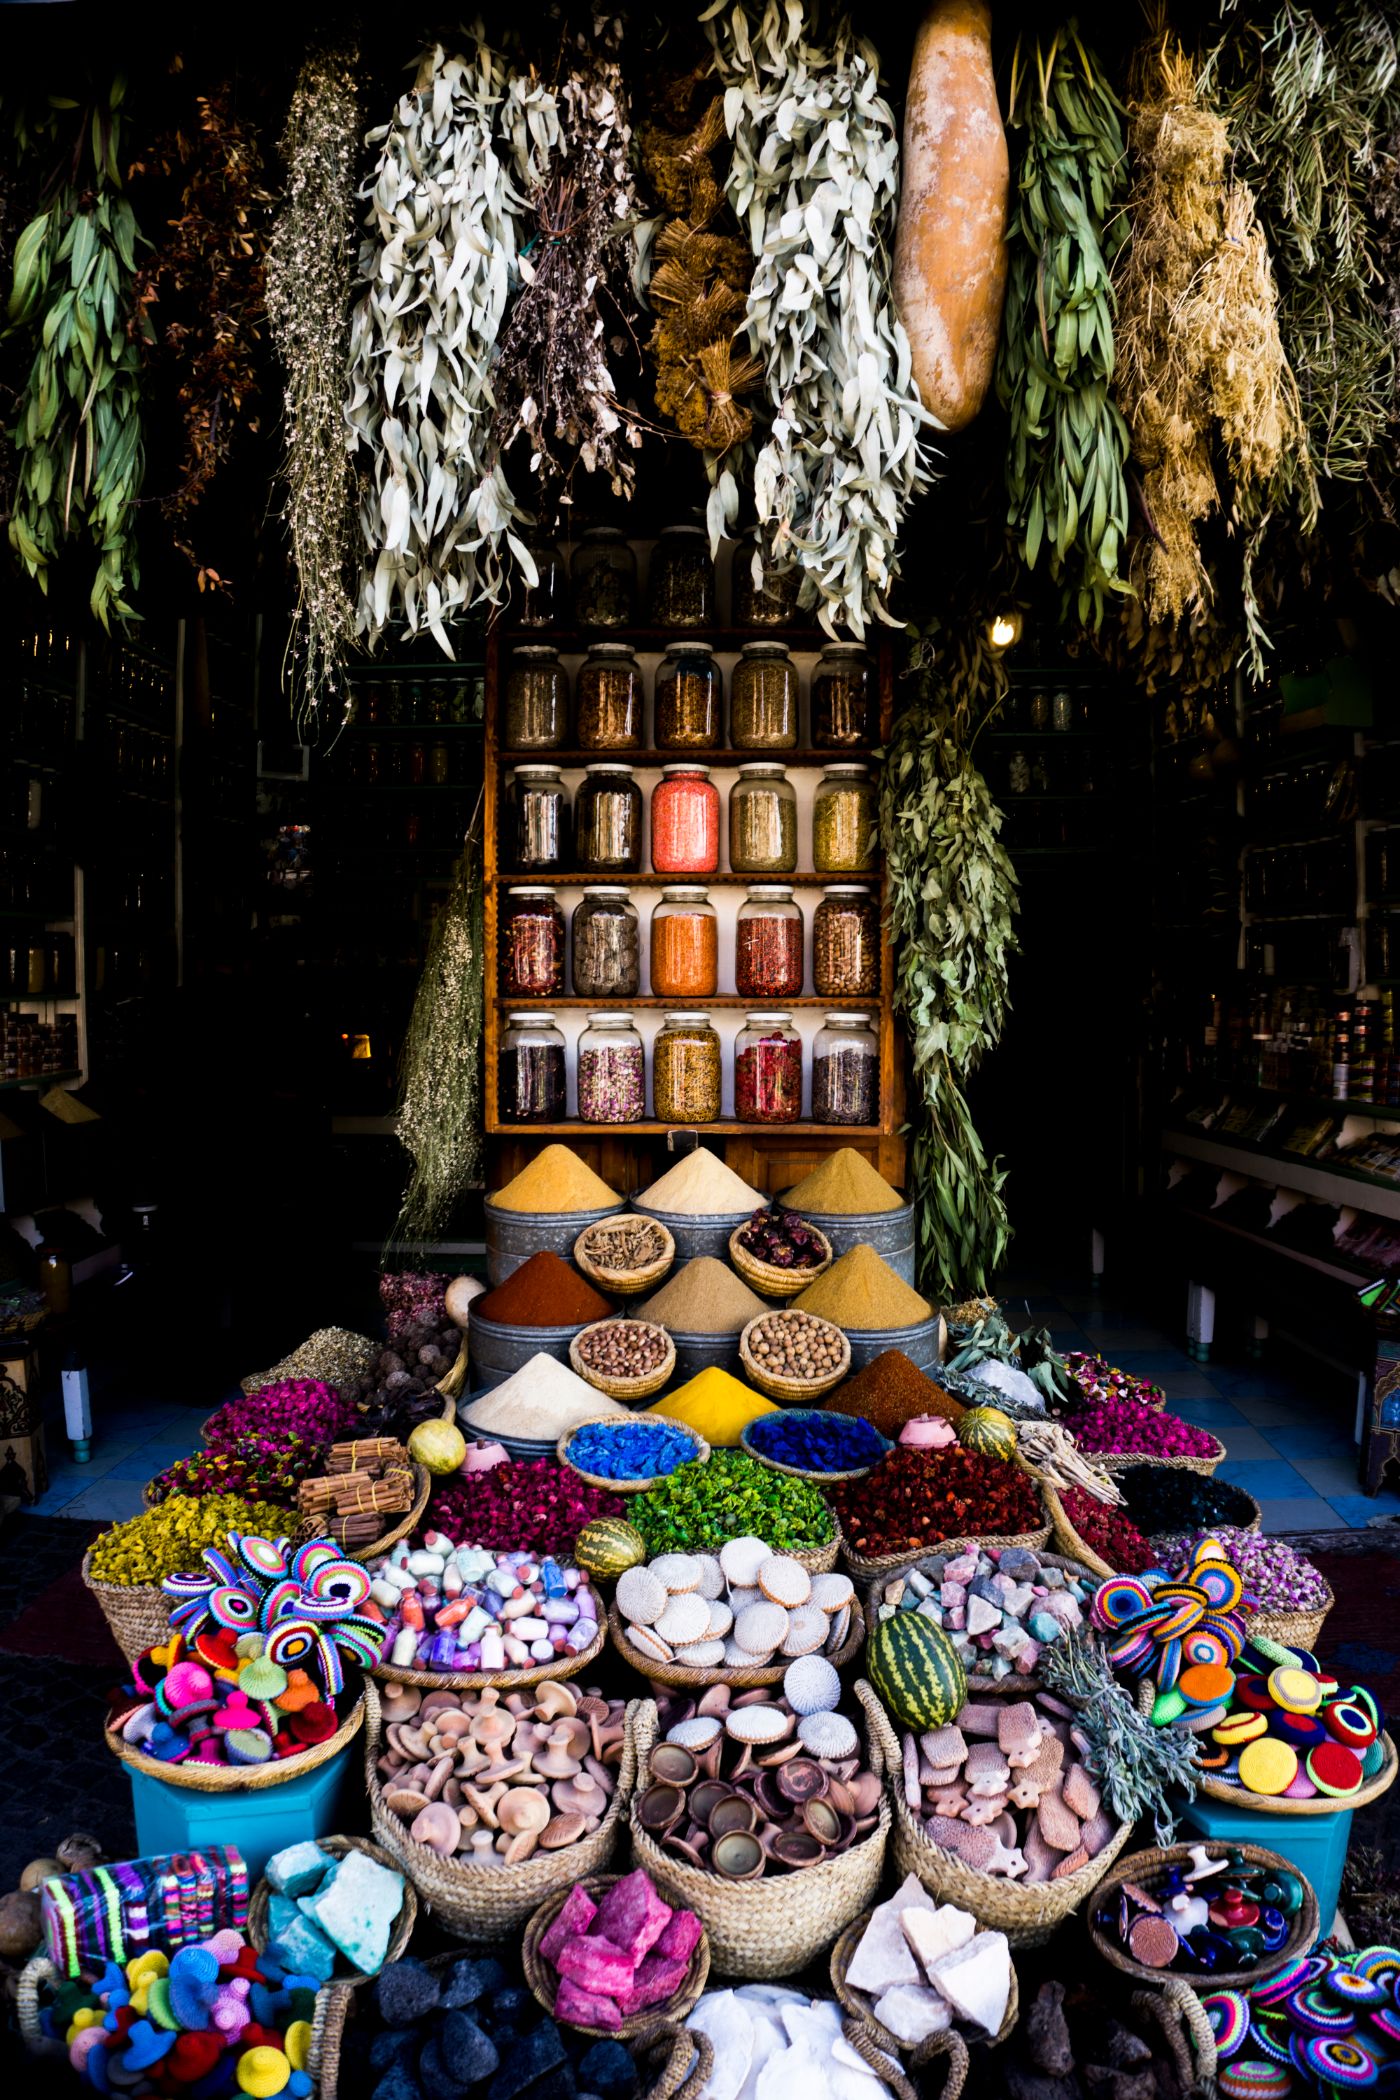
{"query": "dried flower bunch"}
(440, 1120)
(814, 177)
(448, 200)
(310, 268)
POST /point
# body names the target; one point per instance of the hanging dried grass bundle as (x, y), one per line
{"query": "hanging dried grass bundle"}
(440, 1093)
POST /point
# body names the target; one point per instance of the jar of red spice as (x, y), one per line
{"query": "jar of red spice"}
(685, 944)
(532, 946)
(685, 822)
(768, 942)
(846, 943)
(768, 1070)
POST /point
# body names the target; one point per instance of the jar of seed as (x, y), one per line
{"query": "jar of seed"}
(689, 699)
(846, 943)
(685, 944)
(763, 699)
(768, 1070)
(608, 821)
(604, 579)
(612, 1085)
(769, 602)
(537, 825)
(685, 822)
(686, 1070)
(682, 582)
(543, 603)
(531, 1081)
(846, 1071)
(845, 818)
(768, 939)
(843, 698)
(537, 699)
(532, 945)
(607, 945)
(762, 821)
(609, 699)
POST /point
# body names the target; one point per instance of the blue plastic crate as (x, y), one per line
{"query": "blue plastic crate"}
(1314, 1846)
(259, 1821)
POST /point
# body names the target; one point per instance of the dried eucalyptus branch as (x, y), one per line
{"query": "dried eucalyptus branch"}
(309, 272)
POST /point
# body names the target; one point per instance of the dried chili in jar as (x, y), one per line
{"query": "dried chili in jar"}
(768, 944)
(685, 822)
(532, 945)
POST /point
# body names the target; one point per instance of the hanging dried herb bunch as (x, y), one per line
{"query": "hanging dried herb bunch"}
(448, 200)
(1068, 500)
(198, 307)
(575, 313)
(310, 267)
(440, 1118)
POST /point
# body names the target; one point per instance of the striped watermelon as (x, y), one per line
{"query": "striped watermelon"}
(988, 1430)
(915, 1670)
(607, 1546)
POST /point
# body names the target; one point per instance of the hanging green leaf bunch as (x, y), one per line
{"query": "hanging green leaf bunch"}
(440, 1086)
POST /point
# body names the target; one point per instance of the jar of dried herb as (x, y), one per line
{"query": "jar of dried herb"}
(537, 699)
(685, 822)
(768, 1070)
(770, 602)
(604, 579)
(609, 700)
(682, 581)
(543, 603)
(762, 821)
(689, 699)
(763, 699)
(607, 945)
(686, 1070)
(768, 942)
(845, 814)
(843, 694)
(685, 944)
(537, 826)
(531, 1080)
(608, 821)
(532, 945)
(846, 943)
(612, 1083)
(846, 1071)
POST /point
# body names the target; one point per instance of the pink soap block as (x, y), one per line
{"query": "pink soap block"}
(595, 1964)
(632, 1915)
(657, 1980)
(681, 1937)
(584, 2008)
(576, 1915)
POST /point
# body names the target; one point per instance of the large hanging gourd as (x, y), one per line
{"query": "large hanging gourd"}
(950, 254)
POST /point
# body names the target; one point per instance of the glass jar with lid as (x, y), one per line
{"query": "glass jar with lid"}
(763, 699)
(532, 945)
(681, 585)
(845, 817)
(608, 821)
(685, 944)
(768, 1070)
(612, 1081)
(543, 603)
(531, 1080)
(609, 699)
(846, 943)
(768, 942)
(846, 1071)
(843, 696)
(537, 699)
(604, 579)
(772, 602)
(685, 822)
(689, 699)
(537, 827)
(762, 821)
(686, 1070)
(607, 945)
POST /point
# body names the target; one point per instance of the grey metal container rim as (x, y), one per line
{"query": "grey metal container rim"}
(918, 1329)
(851, 1219)
(700, 1221)
(552, 1220)
(501, 1330)
(684, 1340)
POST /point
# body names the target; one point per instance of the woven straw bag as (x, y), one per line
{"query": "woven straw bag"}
(544, 1980)
(682, 1677)
(776, 1384)
(1147, 1869)
(769, 1280)
(623, 1283)
(1028, 1916)
(261, 1901)
(138, 1613)
(976, 1682)
(489, 1903)
(774, 1926)
(861, 2006)
(200, 1778)
(1186, 2029)
(1067, 1538)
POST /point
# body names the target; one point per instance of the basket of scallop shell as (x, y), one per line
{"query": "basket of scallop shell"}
(490, 1801)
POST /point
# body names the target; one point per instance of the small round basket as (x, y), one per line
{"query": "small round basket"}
(518, 1680)
(698, 1455)
(685, 1677)
(401, 1932)
(200, 1778)
(544, 1981)
(138, 1613)
(798, 1414)
(785, 1389)
(771, 1282)
(861, 2006)
(622, 1283)
(315, 1527)
(626, 1389)
(1148, 1869)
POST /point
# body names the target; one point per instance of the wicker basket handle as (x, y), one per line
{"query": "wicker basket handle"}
(333, 2002)
(374, 1734)
(1173, 2007)
(37, 1972)
(627, 1766)
(690, 2058)
(887, 2068)
(886, 1759)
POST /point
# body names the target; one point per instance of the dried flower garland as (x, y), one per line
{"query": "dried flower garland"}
(448, 197)
(309, 273)
(440, 1108)
(814, 176)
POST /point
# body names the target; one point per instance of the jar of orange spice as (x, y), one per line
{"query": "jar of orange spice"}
(684, 944)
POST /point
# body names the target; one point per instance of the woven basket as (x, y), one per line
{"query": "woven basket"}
(1119, 1461)
(805, 1472)
(774, 1926)
(1027, 1915)
(544, 1981)
(488, 1903)
(778, 1388)
(1316, 1804)
(623, 1283)
(565, 1665)
(1174, 2007)
(683, 1677)
(453, 1383)
(1148, 1868)
(623, 1388)
(315, 1527)
(261, 1900)
(138, 1613)
(864, 1570)
(201, 1778)
(771, 1281)
(861, 2006)
(1068, 1539)
(629, 1487)
(976, 1682)
(1293, 1629)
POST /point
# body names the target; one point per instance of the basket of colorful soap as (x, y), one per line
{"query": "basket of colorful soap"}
(333, 1907)
(779, 1253)
(609, 1955)
(925, 1976)
(1223, 1916)
(457, 1615)
(738, 1618)
(999, 1606)
(918, 1497)
(626, 1359)
(700, 1507)
(628, 1454)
